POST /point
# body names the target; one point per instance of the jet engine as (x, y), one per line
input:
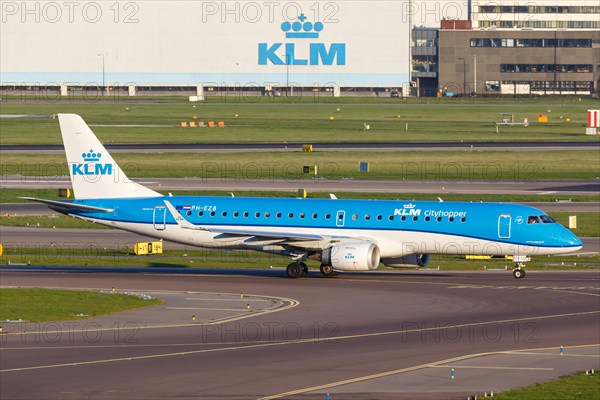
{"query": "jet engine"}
(360, 256)
(410, 261)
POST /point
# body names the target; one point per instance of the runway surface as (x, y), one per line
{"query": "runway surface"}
(379, 335)
(437, 188)
(324, 146)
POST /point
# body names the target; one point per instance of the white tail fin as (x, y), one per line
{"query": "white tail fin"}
(94, 173)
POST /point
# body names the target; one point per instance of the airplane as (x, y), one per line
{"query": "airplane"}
(343, 235)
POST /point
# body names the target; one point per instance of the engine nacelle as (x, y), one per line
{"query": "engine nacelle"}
(360, 256)
(409, 261)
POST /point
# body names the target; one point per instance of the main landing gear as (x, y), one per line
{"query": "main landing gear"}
(327, 271)
(297, 269)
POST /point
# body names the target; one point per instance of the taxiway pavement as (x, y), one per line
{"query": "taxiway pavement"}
(245, 182)
(388, 335)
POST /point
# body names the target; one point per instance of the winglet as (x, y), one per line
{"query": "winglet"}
(182, 222)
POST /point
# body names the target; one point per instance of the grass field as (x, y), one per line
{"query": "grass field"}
(574, 387)
(443, 166)
(305, 121)
(38, 305)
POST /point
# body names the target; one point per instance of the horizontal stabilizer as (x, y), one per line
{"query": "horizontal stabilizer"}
(66, 206)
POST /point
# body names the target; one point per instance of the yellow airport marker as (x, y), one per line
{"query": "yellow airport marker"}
(561, 350)
(113, 290)
(193, 317)
(241, 295)
(452, 373)
(247, 306)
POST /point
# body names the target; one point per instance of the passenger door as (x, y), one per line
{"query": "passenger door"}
(504, 225)
(160, 218)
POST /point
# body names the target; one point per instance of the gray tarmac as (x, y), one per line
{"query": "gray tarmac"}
(429, 185)
(252, 147)
(384, 335)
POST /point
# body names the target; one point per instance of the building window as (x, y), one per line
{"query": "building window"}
(507, 42)
(534, 68)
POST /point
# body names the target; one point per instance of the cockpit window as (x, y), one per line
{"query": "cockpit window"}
(532, 219)
(547, 219)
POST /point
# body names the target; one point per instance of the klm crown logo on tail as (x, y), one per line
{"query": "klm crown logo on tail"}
(91, 165)
(318, 53)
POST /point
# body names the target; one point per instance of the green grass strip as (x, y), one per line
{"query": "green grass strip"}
(305, 121)
(13, 196)
(573, 387)
(38, 305)
(444, 167)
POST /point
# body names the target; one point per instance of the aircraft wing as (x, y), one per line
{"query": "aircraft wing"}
(278, 236)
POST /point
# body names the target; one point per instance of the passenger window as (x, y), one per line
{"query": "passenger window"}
(246, 214)
(439, 219)
(224, 214)
(354, 217)
(327, 216)
(463, 219)
(236, 214)
(379, 218)
(267, 214)
(188, 213)
(278, 215)
(391, 217)
(451, 219)
(367, 217)
(301, 215)
(257, 214)
(212, 213)
(415, 218)
(426, 219)
(200, 213)
(315, 216)
(532, 219)
(403, 218)
(291, 215)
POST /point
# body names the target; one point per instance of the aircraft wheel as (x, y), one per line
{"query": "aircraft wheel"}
(304, 269)
(519, 273)
(294, 270)
(327, 271)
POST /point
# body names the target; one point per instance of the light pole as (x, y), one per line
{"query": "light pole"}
(103, 73)
(464, 75)
(289, 60)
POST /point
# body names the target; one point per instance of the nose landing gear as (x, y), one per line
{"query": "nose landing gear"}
(518, 271)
